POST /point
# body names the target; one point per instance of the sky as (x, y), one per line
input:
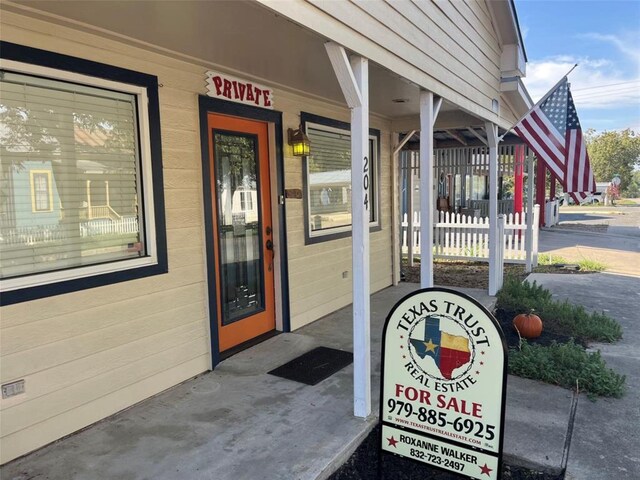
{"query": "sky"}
(603, 38)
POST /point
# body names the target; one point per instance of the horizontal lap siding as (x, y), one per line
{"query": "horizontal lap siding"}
(88, 354)
(316, 282)
(450, 41)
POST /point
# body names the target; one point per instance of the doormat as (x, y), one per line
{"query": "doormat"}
(314, 366)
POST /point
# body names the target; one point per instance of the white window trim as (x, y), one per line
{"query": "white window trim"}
(142, 108)
(375, 204)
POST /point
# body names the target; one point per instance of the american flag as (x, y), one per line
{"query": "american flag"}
(553, 132)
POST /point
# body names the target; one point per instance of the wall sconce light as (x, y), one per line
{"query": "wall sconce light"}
(299, 141)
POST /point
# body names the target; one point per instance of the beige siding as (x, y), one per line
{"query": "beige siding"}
(88, 354)
(316, 284)
(447, 46)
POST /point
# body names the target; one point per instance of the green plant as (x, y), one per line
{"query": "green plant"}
(565, 365)
(558, 317)
(550, 259)
(587, 265)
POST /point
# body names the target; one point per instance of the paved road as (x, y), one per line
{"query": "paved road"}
(618, 248)
(621, 220)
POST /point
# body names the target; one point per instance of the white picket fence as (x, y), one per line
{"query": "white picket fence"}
(460, 237)
(55, 233)
(121, 226)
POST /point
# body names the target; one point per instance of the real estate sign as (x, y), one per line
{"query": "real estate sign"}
(444, 363)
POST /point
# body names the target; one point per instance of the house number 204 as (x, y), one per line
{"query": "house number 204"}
(365, 183)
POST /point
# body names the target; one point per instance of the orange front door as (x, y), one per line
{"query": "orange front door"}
(243, 240)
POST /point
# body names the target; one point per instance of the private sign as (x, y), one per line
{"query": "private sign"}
(444, 363)
(238, 90)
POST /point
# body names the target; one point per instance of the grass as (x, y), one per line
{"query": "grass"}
(550, 259)
(586, 265)
(559, 317)
(568, 365)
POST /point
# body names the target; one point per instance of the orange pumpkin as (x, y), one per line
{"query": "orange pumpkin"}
(528, 325)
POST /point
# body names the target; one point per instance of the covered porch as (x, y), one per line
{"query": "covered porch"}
(313, 60)
(262, 426)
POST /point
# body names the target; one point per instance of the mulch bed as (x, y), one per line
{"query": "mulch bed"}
(363, 465)
(513, 339)
(460, 274)
(476, 275)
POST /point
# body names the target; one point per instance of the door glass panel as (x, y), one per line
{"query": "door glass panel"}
(239, 225)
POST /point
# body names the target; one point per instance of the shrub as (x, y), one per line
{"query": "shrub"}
(567, 365)
(559, 317)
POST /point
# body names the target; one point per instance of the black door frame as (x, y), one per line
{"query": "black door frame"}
(214, 105)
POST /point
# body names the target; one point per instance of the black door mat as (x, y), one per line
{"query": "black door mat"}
(314, 366)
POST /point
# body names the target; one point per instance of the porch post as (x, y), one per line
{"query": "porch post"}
(518, 176)
(353, 77)
(395, 203)
(410, 225)
(396, 228)
(428, 113)
(492, 137)
(528, 239)
(541, 189)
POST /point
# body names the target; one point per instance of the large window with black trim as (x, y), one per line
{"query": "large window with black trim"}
(327, 179)
(77, 196)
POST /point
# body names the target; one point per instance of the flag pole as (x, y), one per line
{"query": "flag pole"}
(548, 94)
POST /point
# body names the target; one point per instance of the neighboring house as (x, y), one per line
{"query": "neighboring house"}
(194, 101)
(33, 181)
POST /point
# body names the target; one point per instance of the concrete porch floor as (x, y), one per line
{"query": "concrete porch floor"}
(238, 422)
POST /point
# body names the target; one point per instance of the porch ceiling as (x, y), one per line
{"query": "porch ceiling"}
(240, 37)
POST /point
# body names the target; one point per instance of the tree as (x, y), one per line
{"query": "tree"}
(633, 190)
(611, 153)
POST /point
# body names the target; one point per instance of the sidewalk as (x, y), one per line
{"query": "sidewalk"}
(606, 434)
(239, 423)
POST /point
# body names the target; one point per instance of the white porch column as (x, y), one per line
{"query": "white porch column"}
(354, 81)
(410, 209)
(395, 211)
(428, 113)
(528, 239)
(492, 138)
(396, 230)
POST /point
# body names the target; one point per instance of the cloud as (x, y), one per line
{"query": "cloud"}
(595, 83)
(624, 45)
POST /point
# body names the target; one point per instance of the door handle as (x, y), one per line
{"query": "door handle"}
(269, 246)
